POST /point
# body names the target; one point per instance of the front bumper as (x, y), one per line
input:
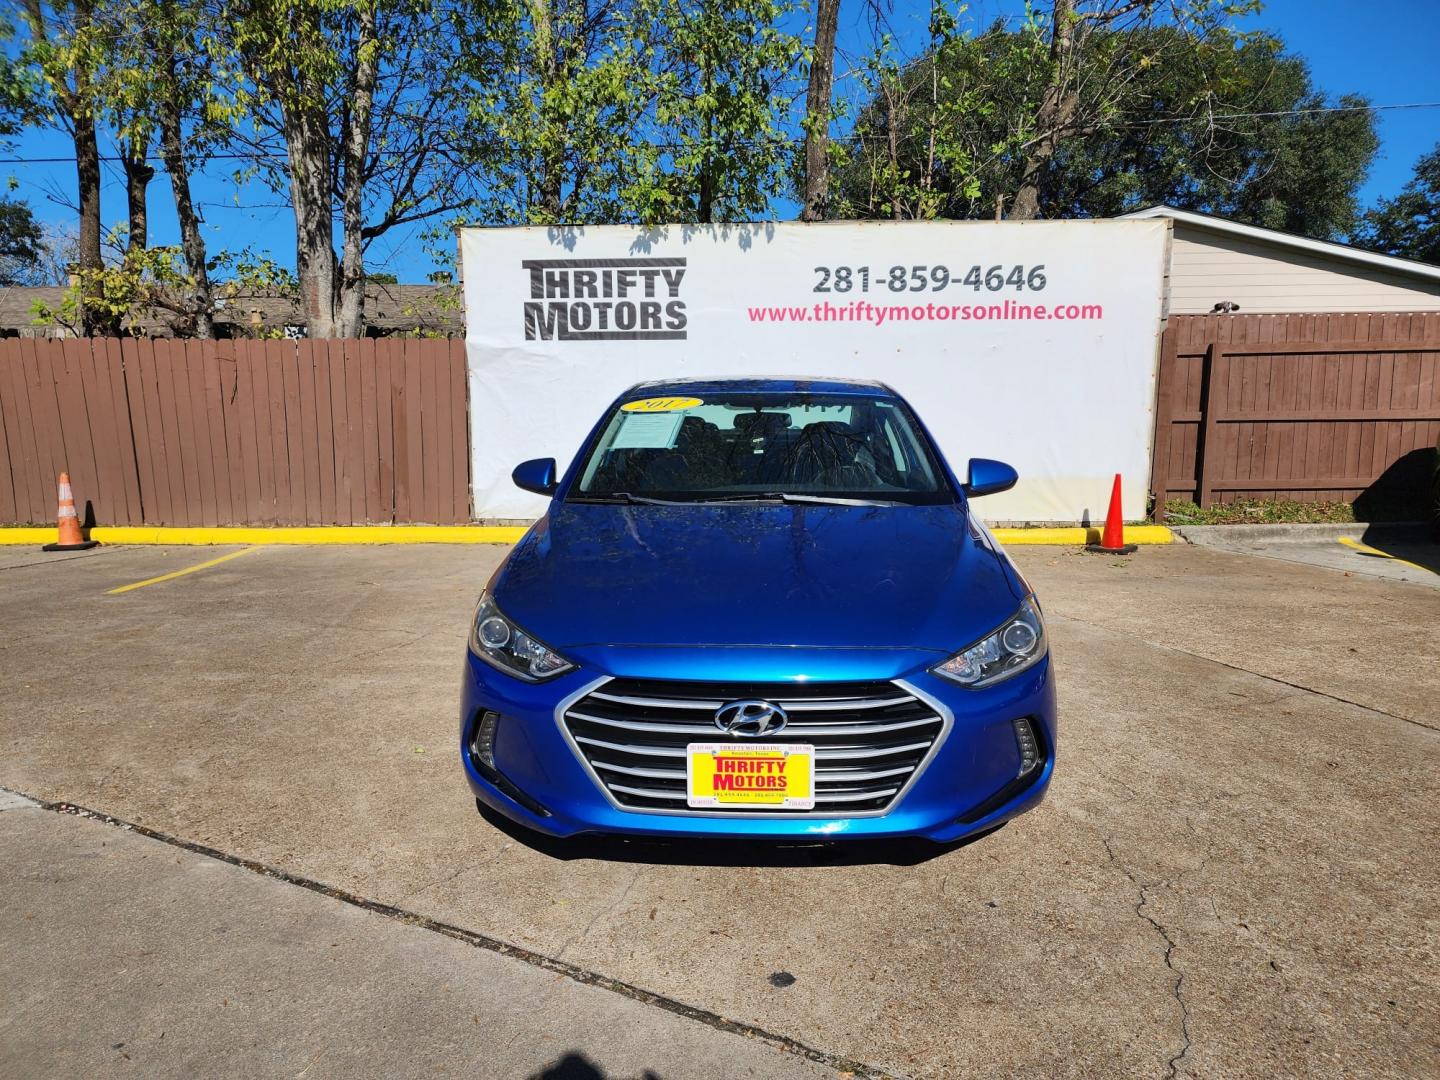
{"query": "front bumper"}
(967, 786)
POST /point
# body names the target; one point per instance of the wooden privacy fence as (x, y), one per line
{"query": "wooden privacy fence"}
(1304, 407)
(236, 432)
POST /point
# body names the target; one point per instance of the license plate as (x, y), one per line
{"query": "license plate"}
(753, 776)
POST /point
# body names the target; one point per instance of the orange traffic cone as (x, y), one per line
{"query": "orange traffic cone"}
(1112, 542)
(68, 521)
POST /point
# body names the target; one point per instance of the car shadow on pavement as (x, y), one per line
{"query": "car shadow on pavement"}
(1418, 545)
(720, 852)
(576, 1066)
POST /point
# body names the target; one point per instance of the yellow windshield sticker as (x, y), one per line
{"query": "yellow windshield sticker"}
(661, 404)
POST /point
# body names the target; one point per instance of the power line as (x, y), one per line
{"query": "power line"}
(148, 157)
(797, 140)
(1291, 112)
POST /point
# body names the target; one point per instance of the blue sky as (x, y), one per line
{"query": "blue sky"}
(1383, 49)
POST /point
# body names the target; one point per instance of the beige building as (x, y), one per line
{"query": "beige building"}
(1215, 263)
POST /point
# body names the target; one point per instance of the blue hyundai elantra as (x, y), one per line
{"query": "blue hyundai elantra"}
(759, 608)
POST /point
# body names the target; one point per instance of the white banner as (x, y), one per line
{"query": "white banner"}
(1031, 342)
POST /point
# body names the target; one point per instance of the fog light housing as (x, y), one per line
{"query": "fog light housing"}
(1027, 744)
(482, 756)
(482, 744)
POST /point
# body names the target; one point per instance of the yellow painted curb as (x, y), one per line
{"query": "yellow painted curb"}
(36, 537)
(1079, 537)
(466, 534)
(1365, 549)
(307, 534)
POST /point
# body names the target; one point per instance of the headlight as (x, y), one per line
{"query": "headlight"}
(502, 644)
(1017, 645)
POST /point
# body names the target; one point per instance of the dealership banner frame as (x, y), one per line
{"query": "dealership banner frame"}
(1031, 342)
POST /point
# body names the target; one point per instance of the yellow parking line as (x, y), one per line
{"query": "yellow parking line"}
(1366, 549)
(180, 573)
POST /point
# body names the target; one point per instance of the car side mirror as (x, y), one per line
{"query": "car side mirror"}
(988, 477)
(537, 475)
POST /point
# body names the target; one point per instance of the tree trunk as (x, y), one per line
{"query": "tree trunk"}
(192, 243)
(75, 102)
(94, 320)
(1057, 109)
(307, 141)
(892, 139)
(138, 174)
(705, 213)
(305, 126)
(87, 171)
(552, 150)
(705, 207)
(817, 111)
(350, 320)
(927, 177)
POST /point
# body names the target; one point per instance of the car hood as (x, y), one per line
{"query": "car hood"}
(910, 577)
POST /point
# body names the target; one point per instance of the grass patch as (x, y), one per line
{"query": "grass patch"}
(1259, 512)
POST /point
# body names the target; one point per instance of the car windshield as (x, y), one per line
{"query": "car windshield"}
(744, 447)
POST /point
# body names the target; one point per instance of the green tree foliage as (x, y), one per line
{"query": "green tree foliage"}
(1409, 224)
(951, 134)
(1083, 75)
(22, 244)
(61, 57)
(560, 103)
(718, 75)
(153, 75)
(591, 111)
(168, 84)
(357, 117)
(912, 152)
(155, 283)
(372, 116)
(18, 91)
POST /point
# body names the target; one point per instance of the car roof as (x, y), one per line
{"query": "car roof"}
(797, 384)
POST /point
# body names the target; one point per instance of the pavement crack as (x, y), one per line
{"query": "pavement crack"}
(605, 913)
(388, 648)
(1426, 725)
(50, 560)
(443, 879)
(553, 964)
(1177, 990)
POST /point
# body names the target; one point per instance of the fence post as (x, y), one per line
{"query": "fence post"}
(1209, 412)
(1165, 377)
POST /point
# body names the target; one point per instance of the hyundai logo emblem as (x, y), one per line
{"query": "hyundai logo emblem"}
(751, 718)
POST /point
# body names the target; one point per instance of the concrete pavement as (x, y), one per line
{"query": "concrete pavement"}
(1409, 553)
(128, 956)
(1235, 874)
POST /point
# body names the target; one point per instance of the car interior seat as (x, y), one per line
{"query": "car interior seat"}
(761, 447)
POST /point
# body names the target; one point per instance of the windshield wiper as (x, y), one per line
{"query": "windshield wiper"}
(631, 499)
(646, 500)
(795, 497)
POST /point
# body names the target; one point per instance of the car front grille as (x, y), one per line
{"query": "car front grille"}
(869, 738)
